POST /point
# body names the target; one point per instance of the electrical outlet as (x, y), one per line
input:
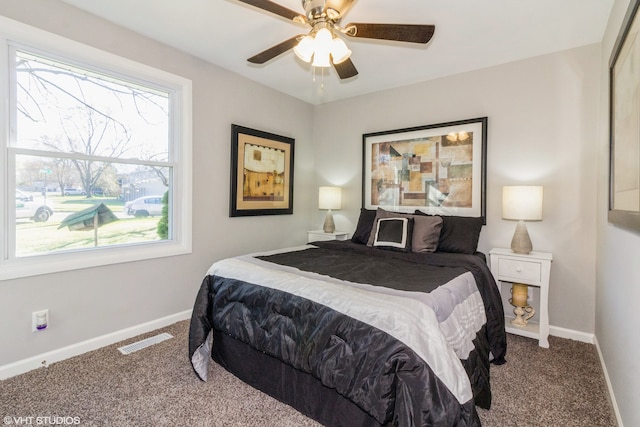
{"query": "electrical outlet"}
(39, 320)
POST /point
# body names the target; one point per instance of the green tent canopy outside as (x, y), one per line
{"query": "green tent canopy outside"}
(89, 219)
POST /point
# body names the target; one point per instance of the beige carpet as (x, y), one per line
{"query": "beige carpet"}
(560, 386)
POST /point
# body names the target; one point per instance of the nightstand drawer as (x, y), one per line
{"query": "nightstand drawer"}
(519, 270)
(318, 237)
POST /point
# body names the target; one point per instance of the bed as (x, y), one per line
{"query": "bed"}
(366, 332)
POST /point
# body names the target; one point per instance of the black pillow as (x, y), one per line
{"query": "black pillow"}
(365, 224)
(393, 234)
(459, 234)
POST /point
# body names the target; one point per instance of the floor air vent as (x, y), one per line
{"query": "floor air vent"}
(139, 345)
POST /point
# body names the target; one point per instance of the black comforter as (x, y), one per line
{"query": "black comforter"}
(363, 264)
(375, 371)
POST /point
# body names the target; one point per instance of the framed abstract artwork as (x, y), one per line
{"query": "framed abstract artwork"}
(624, 124)
(438, 169)
(261, 173)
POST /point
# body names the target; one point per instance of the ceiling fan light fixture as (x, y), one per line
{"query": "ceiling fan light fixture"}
(321, 59)
(305, 48)
(319, 46)
(339, 51)
(323, 39)
(322, 49)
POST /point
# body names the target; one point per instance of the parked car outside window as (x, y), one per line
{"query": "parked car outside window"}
(27, 207)
(144, 206)
(74, 192)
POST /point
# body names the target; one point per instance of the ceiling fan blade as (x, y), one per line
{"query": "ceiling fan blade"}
(346, 69)
(274, 51)
(396, 32)
(274, 8)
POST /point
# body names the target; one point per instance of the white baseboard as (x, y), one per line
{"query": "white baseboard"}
(45, 359)
(571, 334)
(591, 339)
(612, 396)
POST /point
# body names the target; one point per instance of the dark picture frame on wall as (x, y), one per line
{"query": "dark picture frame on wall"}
(261, 173)
(624, 124)
(439, 169)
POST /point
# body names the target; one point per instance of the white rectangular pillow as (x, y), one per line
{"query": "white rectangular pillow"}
(393, 233)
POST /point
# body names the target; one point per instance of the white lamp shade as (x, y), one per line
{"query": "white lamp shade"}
(321, 59)
(323, 39)
(322, 49)
(304, 48)
(330, 198)
(523, 202)
(339, 51)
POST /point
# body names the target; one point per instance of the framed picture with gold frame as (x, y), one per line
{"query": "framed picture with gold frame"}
(624, 124)
(438, 169)
(261, 173)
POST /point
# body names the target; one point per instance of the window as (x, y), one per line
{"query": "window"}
(95, 161)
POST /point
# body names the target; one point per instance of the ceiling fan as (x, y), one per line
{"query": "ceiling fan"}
(322, 43)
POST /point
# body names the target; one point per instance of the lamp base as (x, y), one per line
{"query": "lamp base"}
(329, 226)
(522, 310)
(521, 243)
(523, 314)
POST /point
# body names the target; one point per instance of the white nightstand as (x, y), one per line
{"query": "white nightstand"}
(318, 235)
(531, 269)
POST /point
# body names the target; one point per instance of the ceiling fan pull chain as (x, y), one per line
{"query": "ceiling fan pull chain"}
(313, 74)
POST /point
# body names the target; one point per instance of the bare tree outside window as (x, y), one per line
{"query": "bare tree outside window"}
(90, 134)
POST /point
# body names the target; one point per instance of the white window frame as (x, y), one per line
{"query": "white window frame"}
(11, 267)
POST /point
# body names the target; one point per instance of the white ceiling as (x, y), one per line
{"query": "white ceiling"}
(470, 34)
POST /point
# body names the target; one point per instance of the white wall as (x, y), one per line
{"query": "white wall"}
(618, 266)
(542, 130)
(89, 303)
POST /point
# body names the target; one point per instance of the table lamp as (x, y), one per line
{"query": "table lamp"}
(329, 198)
(522, 310)
(522, 203)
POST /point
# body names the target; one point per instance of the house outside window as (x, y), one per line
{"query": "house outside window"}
(91, 137)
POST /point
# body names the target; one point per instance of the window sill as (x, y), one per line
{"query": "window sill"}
(55, 263)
